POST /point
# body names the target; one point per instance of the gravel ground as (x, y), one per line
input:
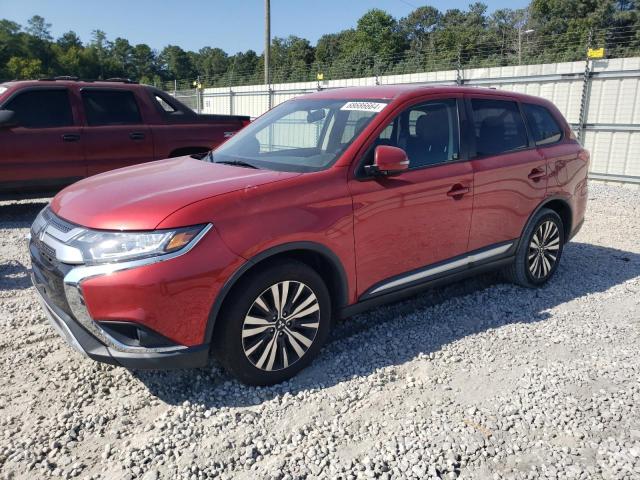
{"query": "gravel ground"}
(477, 380)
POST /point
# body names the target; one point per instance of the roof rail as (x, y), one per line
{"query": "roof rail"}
(71, 78)
(122, 80)
(61, 77)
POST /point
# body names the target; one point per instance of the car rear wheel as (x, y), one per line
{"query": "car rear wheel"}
(274, 324)
(539, 251)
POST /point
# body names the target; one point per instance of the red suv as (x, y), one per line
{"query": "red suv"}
(326, 205)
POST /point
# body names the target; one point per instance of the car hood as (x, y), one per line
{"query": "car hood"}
(140, 197)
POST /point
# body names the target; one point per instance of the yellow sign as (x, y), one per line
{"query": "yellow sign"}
(595, 53)
(320, 76)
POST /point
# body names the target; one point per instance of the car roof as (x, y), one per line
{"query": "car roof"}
(393, 92)
(66, 83)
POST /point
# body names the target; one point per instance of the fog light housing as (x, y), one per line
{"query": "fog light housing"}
(134, 335)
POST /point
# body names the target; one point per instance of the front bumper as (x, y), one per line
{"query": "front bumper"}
(138, 303)
(87, 344)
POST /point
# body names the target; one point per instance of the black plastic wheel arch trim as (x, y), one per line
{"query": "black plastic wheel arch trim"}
(567, 228)
(313, 247)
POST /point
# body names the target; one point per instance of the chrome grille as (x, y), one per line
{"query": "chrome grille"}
(60, 224)
(46, 249)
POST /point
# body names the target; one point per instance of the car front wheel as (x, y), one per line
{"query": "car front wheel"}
(274, 324)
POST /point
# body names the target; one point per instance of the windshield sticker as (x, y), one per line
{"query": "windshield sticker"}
(364, 106)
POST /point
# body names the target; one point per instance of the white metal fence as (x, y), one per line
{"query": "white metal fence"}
(602, 102)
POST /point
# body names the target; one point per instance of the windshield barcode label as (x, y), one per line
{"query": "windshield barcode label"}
(364, 106)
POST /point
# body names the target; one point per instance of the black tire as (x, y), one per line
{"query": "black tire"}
(524, 270)
(241, 350)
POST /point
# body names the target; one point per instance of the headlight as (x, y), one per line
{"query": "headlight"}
(103, 247)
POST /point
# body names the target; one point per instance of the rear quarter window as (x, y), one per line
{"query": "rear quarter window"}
(544, 127)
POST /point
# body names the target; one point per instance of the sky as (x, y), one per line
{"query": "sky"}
(233, 25)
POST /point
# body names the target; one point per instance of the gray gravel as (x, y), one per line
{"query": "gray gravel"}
(477, 380)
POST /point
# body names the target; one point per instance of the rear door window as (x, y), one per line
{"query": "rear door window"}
(110, 107)
(41, 108)
(544, 127)
(498, 126)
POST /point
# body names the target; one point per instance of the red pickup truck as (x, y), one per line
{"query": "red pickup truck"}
(56, 131)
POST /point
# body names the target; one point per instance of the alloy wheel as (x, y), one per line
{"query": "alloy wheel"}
(543, 250)
(281, 325)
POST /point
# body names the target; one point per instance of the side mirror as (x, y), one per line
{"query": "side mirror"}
(7, 118)
(314, 116)
(388, 161)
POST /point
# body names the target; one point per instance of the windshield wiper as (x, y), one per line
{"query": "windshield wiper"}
(237, 163)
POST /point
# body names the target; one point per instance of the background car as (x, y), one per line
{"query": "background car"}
(54, 132)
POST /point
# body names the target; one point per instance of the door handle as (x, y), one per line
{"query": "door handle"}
(536, 174)
(457, 191)
(136, 136)
(70, 137)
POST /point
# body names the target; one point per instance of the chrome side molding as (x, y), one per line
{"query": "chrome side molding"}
(445, 267)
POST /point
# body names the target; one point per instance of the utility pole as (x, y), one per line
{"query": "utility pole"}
(267, 40)
(520, 32)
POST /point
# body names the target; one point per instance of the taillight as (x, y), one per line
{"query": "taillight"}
(246, 122)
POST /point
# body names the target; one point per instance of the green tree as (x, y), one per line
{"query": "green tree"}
(121, 54)
(212, 62)
(377, 35)
(291, 58)
(331, 46)
(426, 39)
(39, 28)
(419, 25)
(24, 68)
(143, 60)
(244, 67)
(10, 45)
(176, 63)
(69, 40)
(99, 49)
(37, 44)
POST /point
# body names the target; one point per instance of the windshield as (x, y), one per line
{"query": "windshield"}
(303, 135)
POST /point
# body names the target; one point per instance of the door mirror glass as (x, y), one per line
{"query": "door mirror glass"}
(7, 118)
(388, 161)
(315, 115)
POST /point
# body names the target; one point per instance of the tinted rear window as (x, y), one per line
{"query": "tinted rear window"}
(498, 125)
(42, 108)
(110, 107)
(544, 128)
